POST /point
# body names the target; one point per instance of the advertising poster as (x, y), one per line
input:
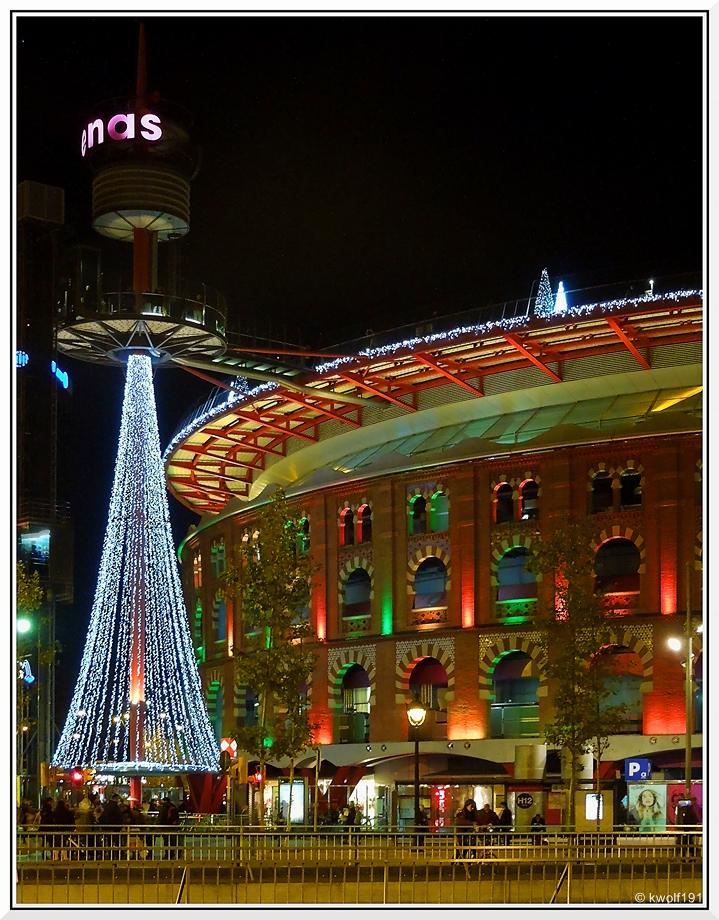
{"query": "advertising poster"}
(676, 794)
(647, 807)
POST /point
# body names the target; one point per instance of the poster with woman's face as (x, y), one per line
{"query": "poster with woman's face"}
(647, 806)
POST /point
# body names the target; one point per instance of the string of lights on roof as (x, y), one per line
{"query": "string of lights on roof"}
(153, 718)
(559, 306)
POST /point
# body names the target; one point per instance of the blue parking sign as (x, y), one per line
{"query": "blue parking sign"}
(636, 768)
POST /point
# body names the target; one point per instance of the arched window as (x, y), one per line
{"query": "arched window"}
(515, 581)
(624, 676)
(439, 513)
(197, 570)
(529, 492)
(630, 491)
(602, 497)
(427, 682)
(347, 528)
(418, 515)
(215, 706)
(303, 536)
(199, 642)
(616, 566)
(503, 504)
(218, 558)
(220, 618)
(357, 594)
(515, 710)
(364, 524)
(430, 584)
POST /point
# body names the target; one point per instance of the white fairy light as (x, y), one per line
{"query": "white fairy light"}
(503, 325)
(138, 655)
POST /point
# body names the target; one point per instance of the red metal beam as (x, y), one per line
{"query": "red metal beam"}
(514, 340)
(431, 362)
(291, 396)
(236, 438)
(187, 464)
(613, 324)
(358, 381)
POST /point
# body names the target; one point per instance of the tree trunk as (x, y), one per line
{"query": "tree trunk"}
(289, 799)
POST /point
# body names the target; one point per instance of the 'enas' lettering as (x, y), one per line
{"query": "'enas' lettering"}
(119, 128)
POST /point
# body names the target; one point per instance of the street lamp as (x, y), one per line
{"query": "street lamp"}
(676, 645)
(416, 714)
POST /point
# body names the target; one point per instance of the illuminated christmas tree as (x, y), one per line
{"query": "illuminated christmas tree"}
(138, 705)
(544, 304)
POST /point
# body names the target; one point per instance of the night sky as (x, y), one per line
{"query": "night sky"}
(361, 172)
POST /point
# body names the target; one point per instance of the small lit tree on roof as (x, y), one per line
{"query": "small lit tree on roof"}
(544, 303)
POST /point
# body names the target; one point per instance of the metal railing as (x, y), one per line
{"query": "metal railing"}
(231, 865)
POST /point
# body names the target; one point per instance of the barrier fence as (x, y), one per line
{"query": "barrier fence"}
(227, 865)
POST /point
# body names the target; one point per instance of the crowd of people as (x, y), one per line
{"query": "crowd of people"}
(111, 829)
(476, 828)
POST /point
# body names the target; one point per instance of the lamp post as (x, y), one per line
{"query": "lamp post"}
(416, 714)
(676, 645)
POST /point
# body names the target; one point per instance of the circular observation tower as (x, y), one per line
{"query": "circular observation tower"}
(143, 160)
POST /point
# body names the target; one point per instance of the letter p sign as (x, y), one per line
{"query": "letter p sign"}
(636, 769)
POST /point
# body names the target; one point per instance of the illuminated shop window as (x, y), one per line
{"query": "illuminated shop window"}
(528, 494)
(503, 504)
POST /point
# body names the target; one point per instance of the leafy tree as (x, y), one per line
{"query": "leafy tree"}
(574, 629)
(29, 593)
(274, 581)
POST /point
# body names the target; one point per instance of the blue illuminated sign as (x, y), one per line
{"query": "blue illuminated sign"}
(637, 768)
(21, 358)
(61, 375)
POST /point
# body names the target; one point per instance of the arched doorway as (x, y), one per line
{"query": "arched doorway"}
(355, 712)
(515, 710)
(624, 676)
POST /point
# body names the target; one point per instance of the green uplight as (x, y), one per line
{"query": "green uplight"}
(267, 742)
(23, 625)
(387, 614)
